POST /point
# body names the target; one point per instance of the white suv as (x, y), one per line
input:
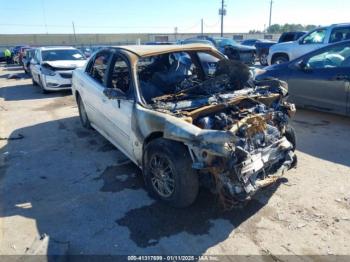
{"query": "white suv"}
(52, 67)
(320, 37)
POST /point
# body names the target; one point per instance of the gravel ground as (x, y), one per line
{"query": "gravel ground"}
(71, 184)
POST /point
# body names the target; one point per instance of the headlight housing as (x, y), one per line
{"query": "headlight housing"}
(47, 71)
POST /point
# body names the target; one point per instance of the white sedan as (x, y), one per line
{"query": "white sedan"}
(186, 118)
(52, 67)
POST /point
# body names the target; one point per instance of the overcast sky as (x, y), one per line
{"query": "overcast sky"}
(158, 16)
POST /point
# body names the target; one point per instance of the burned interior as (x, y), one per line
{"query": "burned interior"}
(236, 129)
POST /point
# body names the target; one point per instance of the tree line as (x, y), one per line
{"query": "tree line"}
(278, 29)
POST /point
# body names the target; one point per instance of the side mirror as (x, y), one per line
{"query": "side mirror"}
(114, 93)
(302, 65)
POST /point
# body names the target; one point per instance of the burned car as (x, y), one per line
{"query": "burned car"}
(188, 117)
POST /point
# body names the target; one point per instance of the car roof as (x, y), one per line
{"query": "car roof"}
(149, 50)
(44, 48)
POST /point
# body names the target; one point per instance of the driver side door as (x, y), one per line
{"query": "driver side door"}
(323, 82)
(118, 110)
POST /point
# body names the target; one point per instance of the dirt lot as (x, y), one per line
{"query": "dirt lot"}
(70, 183)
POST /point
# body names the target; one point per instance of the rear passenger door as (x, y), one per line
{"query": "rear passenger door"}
(92, 87)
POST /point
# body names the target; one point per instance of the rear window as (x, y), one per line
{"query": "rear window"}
(67, 54)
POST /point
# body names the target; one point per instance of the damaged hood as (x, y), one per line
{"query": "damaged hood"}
(65, 64)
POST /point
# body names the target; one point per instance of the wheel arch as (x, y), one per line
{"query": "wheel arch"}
(279, 54)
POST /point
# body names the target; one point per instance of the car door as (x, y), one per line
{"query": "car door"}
(118, 110)
(321, 80)
(92, 87)
(312, 41)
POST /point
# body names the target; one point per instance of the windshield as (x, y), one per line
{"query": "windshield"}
(225, 41)
(65, 54)
(188, 76)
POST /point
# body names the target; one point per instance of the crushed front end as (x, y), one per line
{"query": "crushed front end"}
(245, 142)
(261, 148)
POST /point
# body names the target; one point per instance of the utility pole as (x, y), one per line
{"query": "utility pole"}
(222, 12)
(271, 3)
(175, 32)
(202, 27)
(75, 36)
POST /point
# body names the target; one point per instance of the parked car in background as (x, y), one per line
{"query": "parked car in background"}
(319, 80)
(315, 39)
(159, 43)
(263, 46)
(27, 57)
(232, 49)
(196, 41)
(52, 67)
(87, 51)
(183, 127)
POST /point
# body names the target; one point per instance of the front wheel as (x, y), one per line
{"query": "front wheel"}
(263, 59)
(280, 59)
(291, 137)
(43, 90)
(168, 173)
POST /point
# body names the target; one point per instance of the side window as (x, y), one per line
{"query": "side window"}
(315, 37)
(98, 67)
(121, 77)
(334, 57)
(340, 34)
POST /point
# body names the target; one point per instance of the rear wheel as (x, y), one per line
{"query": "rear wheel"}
(82, 113)
(168, 173)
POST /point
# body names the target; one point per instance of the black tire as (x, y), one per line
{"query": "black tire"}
(263, 59)
(43, 90)
(280, 59)
(85, 122)
(291, 137)
(183, 189)
(34, 83)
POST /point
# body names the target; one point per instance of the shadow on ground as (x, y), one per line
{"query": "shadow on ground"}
(27, 92)
(55, 185)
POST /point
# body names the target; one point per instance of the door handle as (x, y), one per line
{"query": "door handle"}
(104, 100)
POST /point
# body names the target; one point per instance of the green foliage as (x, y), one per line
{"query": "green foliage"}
(277, 29)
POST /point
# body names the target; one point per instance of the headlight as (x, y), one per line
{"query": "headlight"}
(47, 71)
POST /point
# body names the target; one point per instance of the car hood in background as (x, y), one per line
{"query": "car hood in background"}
(282, 46)
(245, 47)
(66, 63)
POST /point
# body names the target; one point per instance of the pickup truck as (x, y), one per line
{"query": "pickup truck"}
(315, 39)
(263, 46)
